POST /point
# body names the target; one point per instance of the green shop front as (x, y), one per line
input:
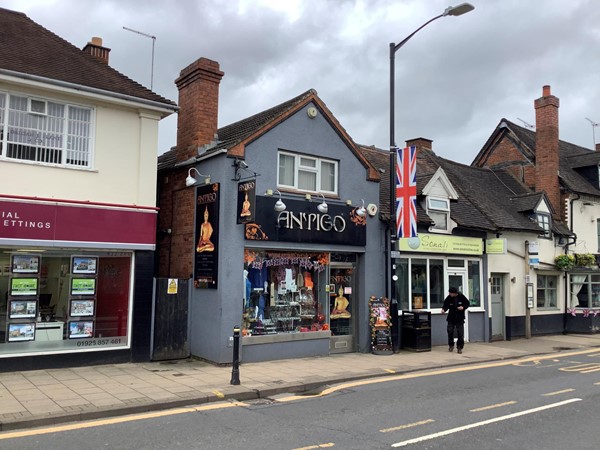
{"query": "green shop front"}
(426, 266)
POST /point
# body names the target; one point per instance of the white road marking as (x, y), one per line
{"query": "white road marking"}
(485, 422)
(497, 405)
(558, 392)
(408, 425)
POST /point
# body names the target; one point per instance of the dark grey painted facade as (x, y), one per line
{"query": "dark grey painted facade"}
(215, 312)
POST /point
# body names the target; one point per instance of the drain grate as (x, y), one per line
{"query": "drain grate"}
(562, 349)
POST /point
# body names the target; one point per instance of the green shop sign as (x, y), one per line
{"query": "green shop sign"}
(433, 243)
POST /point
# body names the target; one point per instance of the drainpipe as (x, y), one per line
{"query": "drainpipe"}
(527, 309)
(566, 249)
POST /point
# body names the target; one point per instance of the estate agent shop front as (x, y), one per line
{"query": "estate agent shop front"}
(431, 263)
(67, 279)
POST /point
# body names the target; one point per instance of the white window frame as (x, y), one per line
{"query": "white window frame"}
(316, 170)
(542, 224)
(439, 210)
(546, 290)
(70, 156)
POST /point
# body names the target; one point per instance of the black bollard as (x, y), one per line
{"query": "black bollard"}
(235, 371)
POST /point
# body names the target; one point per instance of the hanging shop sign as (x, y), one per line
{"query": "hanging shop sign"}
(302, 222)
(68, 224)
(246, 201)
(434, 243)
(206, 251)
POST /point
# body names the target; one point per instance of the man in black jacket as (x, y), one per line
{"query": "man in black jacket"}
(456, 304)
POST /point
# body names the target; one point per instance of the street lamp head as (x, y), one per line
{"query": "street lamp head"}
(459, 10)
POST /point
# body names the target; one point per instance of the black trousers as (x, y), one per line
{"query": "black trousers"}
(460, 334)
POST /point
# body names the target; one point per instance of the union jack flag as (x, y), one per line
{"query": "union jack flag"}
(406, 192)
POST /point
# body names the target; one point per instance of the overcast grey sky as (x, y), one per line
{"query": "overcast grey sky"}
(455, 79)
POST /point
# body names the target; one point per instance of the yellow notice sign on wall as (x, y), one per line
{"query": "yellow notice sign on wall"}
(495, 246)
(172, 286)
(434, 243)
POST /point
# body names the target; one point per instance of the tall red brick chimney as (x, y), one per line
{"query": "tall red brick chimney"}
(95, 48)
(546, 148)
(198, 86)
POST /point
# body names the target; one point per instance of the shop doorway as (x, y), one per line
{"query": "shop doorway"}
(497, 292)
(342, 310)
(458, 279)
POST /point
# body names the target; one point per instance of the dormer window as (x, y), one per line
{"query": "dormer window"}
(543, 220)
(439, 211)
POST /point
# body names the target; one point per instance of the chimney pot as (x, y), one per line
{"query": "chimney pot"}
(546, 91)
(97, 50)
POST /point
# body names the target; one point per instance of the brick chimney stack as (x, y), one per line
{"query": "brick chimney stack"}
(95, 48)
(546, 148)
(598, 146)
(420, 143)
(198, 86)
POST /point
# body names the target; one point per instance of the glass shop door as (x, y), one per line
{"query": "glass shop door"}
(341, 311)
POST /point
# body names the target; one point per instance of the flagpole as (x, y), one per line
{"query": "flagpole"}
(450, 11)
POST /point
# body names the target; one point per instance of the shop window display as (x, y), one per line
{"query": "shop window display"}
(282, 292)
(60, 301)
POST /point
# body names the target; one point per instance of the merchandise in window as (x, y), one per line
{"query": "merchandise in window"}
(284, 292)
(55, 301)
(546, 291)
(45, 131)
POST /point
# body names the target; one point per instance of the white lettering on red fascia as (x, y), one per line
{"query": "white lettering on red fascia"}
(11, 219)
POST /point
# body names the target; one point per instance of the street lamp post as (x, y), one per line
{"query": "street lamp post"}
(450, 11)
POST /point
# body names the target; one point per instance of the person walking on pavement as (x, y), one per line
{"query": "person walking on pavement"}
(456, 304)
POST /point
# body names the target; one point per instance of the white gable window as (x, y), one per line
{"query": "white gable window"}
(439, 211)
(44, 131)
(307, 173)
(543, 220)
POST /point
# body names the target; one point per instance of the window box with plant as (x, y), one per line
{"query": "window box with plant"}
(565, 262)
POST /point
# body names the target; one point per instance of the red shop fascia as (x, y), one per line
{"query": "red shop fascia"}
(64, 223)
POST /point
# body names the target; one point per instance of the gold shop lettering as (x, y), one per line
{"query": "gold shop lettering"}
(248, 186)
(207, 198)
(311, 221)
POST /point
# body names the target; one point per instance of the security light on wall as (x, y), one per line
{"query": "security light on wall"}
(190, 180)
(361, 211)
(279, 205)
(323, 207)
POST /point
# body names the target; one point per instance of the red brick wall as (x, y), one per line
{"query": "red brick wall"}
(176, 251)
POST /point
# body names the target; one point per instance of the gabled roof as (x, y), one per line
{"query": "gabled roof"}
(475, 207)
(571, 156)
(528, 202)
(236, 136)
(27, 48)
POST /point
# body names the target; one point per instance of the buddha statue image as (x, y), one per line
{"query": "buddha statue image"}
(206, 231)
(245, 206)
(340, 307)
